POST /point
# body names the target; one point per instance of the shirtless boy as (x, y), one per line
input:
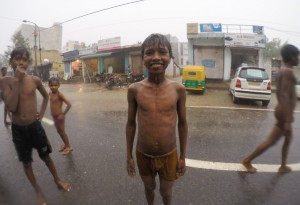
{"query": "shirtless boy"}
(157, 102)
(19, 95)
(286, 97)
(56, 102)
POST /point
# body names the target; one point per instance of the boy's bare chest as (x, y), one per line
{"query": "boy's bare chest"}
(157, 101)
(27, 89)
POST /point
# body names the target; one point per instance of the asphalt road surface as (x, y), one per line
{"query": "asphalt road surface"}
(220, 135)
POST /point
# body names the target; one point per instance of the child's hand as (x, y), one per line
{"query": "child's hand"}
(130, 167)
(20, 73)
(38, 117)
(180, 168)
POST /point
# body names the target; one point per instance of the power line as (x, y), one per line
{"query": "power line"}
(112, 7)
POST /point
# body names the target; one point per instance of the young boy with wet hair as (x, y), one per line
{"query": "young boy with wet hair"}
(286, 97)
(19, 95)
(158, 105)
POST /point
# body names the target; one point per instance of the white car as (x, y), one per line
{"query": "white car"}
(252, 83)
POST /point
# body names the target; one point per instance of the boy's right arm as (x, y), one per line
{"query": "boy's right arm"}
(10, 92)
(130, 130)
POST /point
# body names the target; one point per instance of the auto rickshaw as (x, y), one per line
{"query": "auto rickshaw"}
(193, 78)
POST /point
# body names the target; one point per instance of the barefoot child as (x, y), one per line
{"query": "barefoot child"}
(56, 102)
(19, 95)
(158, 105)
(286, 97)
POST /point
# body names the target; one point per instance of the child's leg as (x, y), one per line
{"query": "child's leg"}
(271, 140)
(60, 184)
(29, 173)
(149, 185)
(166, 190)
(60, 127)
(285, 150)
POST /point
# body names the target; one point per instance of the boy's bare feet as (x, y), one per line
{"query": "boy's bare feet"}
(284, 169)
(248, 166)
(63, 185)
(41, 199)
(67, 150)
(62, 147)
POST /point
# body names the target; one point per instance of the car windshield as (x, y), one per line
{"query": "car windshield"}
(251, 73)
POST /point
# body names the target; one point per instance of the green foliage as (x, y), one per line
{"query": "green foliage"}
(272, 49)
(19, 40)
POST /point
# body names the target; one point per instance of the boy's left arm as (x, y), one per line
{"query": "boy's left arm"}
(182, 130)
(45, 96)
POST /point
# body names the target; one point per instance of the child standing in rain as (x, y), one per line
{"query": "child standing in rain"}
(19, 96)
(156, 106)
(286, 97)
(56, 102)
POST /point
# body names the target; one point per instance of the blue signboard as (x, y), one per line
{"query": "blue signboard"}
(211, 27)
(258, 29)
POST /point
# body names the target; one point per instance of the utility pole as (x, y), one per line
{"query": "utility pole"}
(35, 41)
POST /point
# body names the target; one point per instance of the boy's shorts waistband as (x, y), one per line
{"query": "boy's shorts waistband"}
(152, 156)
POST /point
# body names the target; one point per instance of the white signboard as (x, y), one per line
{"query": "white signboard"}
(245, 40)
(88, 51)
(109, 43)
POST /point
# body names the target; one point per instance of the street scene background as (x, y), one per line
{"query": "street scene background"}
(96, 169)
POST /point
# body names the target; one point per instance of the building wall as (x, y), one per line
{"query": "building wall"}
(47, 39)
(73, 45)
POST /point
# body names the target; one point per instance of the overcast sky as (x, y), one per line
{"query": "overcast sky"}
(134, 22)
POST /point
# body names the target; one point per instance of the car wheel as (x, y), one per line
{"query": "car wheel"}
(265, 102)
(234, 99)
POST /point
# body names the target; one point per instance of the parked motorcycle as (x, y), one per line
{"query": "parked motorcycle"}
(113, 80)
(133, 77)
(101, 78)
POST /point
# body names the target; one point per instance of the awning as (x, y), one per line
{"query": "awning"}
(97, 55)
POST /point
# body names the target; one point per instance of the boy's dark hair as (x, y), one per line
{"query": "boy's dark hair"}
(157, 39)
(288, 52)
(20, 51)
(54, 79)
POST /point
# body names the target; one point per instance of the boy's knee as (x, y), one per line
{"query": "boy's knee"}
(165, 193)
(26, 165)
(46, 158)
(150, 186)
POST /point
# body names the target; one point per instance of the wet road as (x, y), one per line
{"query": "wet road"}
(96, 168)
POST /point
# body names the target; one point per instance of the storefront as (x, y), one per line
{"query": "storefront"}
(72, 66)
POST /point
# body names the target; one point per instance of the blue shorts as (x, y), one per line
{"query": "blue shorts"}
(30, 136)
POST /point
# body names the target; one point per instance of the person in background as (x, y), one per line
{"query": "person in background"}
(286, 97)
(7, 114)
(56, 102)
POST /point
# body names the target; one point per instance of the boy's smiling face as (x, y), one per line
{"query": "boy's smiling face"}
(156, 58)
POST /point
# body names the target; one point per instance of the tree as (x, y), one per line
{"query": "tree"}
(17, 40)
(272, 49)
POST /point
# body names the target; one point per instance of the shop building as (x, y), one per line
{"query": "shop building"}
(221, 49)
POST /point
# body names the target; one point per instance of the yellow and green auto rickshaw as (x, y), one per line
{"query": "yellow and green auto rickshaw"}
(193, 78)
